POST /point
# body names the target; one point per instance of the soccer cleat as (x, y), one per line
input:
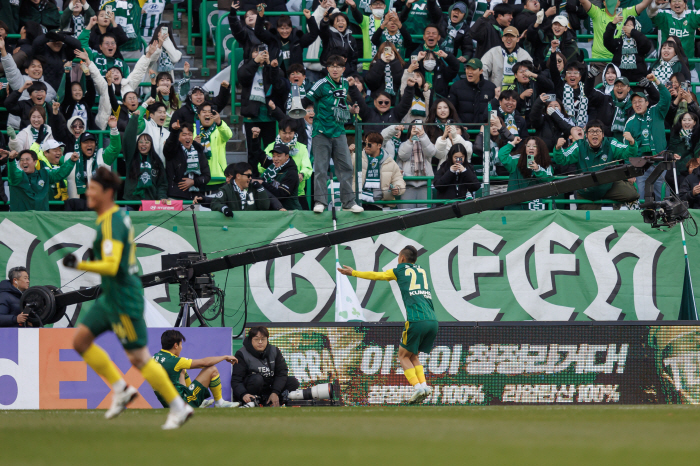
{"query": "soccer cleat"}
(428, 393)
(319, 208)
(417, 396)
(120, 400)
(355, 209)
(206, 403)
(178, 418)
(227, 404)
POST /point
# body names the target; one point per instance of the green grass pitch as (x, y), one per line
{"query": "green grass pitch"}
(517, 436)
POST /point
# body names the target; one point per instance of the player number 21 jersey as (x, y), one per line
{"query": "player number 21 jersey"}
(415, 291)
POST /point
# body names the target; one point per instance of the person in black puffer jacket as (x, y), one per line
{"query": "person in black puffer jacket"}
(471, 96)
(550, 121)
(382, 112)
(10, 293)
(336, 39)
(630, 49)
(456, 178)
(56, 48)
(246, 32)
(375, 79)
(196, 97)
(179, 172)
(261, 371)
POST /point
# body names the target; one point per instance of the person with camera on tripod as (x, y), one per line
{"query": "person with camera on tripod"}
(261, 375)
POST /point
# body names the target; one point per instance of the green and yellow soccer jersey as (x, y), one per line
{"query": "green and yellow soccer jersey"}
(115, 260)
(172, 364)
(415, 291)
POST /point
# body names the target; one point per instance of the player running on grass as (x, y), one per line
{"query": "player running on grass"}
(421, 325)
(195, 394)
(120, 306)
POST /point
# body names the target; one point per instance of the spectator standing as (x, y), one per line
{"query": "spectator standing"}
(186, 165)
(151, 19)
(51, 154)
(648, 130)
(630, 50)
(594, 153)
(456, 178)
(455, 30)
(391, 30)
(488, 29)
(381, 177)
(386, 71)
(29, 185)
(415, 155)
(422, 96)
(471, 96)
(297, 151)
(104, 24)
(189, 111)
(163, 90)
(246, 33)
(337, 40)
(571, 91)
(155, 125)
(670, 62)
(11, 290)
(545, 42)
(213, 133)
(108, 55)
(678, 21)
(498, 62)
(280, 176)
(508, 110)
(528, 166)
(529, 85)
(127, 14)
(417, 14)
(168, 55)
(438, 67)
(146, 177)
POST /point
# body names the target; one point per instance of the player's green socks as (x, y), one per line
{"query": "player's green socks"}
(215, 387)
(420, 374)
(411, 376)
(158, 378)
(99, 361)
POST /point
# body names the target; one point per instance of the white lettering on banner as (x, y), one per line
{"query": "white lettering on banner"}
(310, 366)
(471, 267)
(286, 273)
(451, 394)
(547, 265)
(604, 260)
(592, 393)
(545, 359)
(20, 242)
(25, 371)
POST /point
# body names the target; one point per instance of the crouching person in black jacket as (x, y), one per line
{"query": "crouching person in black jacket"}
(261, 371)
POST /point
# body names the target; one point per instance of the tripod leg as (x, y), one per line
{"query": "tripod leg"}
(198, 314)
(183, 308)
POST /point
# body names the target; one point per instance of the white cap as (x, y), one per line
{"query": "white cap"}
(51, 144)
(561, 19)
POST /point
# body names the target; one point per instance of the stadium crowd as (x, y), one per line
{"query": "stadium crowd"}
(416, 73)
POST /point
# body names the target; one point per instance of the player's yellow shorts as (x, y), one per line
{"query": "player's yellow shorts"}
(419, 336)
(103, 317)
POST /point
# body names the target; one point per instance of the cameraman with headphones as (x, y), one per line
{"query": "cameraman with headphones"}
(11, 290)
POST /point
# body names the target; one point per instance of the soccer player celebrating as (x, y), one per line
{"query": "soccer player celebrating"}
(120, 306)
(421, 326)
(196, 393)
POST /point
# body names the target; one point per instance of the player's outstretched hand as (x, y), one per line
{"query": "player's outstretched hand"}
(70, 261)
(345, 270)
(231, 359)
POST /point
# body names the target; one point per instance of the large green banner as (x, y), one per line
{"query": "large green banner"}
(494, 266)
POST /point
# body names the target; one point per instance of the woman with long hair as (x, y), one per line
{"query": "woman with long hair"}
(36, 132)
(671, 60)
(385, 71)
(163, 90)
(685, 136)
(145, 177)
(169, 55)
(529, 165)
(414, 159)
(550, 120)
(441, 112)
(422, 96)
(456, 179)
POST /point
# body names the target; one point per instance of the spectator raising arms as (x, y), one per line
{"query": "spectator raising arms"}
(213, 133)
(679, 19)
(529, 165)
(30, 180)
(187, 166)
(630, 49)
(386, 71)
(280, 176)
(146, 177)
(415, 155)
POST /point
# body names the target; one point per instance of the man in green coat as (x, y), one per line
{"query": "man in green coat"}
(594, 153)
(647, 128)
(30, 182)
(107, 56)
(679, 21)
(238, 194)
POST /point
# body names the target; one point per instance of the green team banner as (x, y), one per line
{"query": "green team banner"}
(494, 266)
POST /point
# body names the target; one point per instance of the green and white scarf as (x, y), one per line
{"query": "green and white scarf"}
(164, 62)
(388, 80)
(509, 60)
(685, 136)
(371, 30)
(205, 135)
(372, 178)
(291, 144)
(418, 107)
(78, 25)
(35, 133)
(664, 69)
(145, 181)
(271, 171)
(629, 50)
(193, 169)
(81, 174)
(509, 120)
(646, 137)
(242, 194)
(257, 92)
(620, 118)
(452, 30)
(580, 114)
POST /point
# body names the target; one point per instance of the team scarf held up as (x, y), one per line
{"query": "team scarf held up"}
(580, 115)
(372, 178)
(271, 171)
(291, 144)
(396, 39)
(205, 138)
(193, 167)
(629, 50)
(145, 180)
(620, 118)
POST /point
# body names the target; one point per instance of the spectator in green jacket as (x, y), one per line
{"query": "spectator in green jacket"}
(42, 11)
(213, 133)
(108, 56)
(240, 193)
(30, 181)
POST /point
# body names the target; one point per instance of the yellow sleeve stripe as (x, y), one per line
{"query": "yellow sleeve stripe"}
(183, 363)
(107, 228)
(128, 327)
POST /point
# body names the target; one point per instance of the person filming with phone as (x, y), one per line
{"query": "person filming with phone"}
(456, 177)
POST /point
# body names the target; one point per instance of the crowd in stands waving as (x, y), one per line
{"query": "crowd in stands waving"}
(441, 95)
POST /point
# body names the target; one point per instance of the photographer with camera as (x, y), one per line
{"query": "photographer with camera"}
(11, 290)
(261, 375)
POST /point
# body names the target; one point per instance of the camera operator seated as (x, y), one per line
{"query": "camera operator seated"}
(261, 371)
(11, 290)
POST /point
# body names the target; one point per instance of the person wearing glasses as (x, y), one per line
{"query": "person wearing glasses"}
(594, 153)
(240, 193)
(571, 91)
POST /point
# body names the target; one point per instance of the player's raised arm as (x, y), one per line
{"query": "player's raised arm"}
(212, 361)
(386, 276)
